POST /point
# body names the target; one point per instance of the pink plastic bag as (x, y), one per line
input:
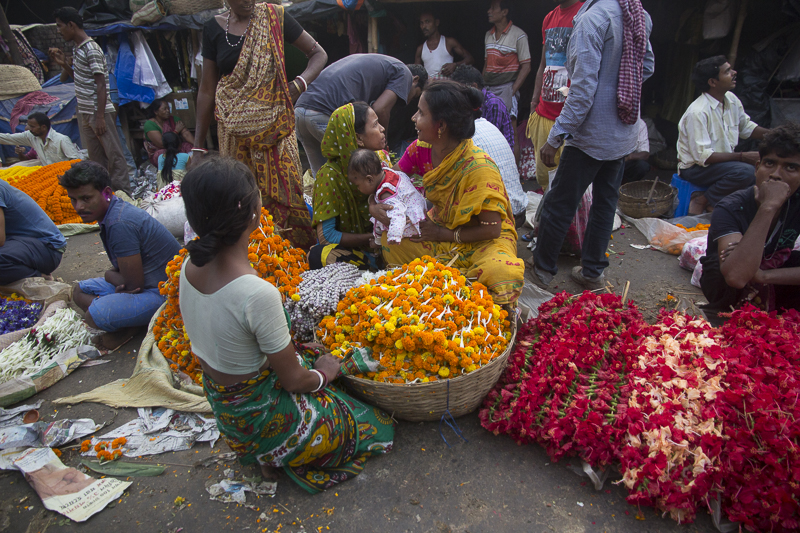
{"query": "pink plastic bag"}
(692, 252)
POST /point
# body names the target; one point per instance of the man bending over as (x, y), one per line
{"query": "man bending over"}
(753, 231)
(138, 246)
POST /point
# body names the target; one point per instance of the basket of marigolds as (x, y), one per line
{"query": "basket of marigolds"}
(420, 340)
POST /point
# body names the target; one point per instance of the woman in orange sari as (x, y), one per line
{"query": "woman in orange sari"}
(244, 81)
(471, 218)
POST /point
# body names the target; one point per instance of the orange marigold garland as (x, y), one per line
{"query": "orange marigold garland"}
(423, 322)
(42, 185)
(274, 259)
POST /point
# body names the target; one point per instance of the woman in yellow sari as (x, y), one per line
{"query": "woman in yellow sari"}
(244, 80)
(471, 217)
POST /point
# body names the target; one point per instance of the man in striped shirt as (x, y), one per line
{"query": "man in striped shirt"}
(96, 113)
(507, 57)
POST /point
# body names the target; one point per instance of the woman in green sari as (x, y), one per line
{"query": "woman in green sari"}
(273, 400)
(341, 212)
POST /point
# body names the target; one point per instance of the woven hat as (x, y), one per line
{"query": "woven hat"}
(17, 81)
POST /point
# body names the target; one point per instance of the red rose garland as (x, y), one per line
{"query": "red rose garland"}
(567, 388)
(761, 417)
(674, 438)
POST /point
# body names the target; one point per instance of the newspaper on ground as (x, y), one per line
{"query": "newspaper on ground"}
(232, 491)
(52, 434)
(161, 430)
(64, 489)
(13, 417)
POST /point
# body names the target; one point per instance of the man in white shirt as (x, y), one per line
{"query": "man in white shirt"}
(636, 165)
(491, 140)
(708, 133)
(50, 146)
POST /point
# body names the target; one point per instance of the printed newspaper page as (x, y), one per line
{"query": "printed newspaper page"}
(64, 489)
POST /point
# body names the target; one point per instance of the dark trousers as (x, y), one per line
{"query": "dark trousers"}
(635, 170)
(26, 257)
(576, 171)
(721, 179)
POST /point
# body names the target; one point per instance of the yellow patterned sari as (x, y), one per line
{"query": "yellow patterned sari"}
(464, 184)
(256, 123)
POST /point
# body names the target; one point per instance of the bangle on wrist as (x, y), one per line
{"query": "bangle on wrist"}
(305, 84)
(323, 381)
(457, 236)
(297, 86)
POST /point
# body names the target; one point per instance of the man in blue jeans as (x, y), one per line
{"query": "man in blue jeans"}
(598, 127)
(138, 246)
(30, 244)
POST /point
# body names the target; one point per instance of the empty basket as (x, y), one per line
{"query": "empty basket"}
(633, 199)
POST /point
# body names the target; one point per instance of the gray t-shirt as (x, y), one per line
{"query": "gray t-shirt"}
(358, 77)
(24, 218)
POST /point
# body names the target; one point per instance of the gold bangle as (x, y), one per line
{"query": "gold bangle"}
(297, 86)
(457, 236)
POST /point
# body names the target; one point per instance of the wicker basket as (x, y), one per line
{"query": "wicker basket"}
(425, 402)
(190, 7)
(633, 199)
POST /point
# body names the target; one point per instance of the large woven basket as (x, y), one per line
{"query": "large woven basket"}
(17, 81)
(633, 199)
(425, 402)
(190, 7)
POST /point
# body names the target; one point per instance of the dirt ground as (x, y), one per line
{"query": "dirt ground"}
(483, 483)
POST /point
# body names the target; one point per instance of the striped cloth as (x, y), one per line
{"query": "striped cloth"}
(634, 47)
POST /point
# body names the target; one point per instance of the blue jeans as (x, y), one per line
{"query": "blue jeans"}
(721, 179)
(26, 257)
(310, 127)
(576, 170)
(112, 311)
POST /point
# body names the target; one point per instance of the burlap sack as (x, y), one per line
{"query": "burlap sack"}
(49, 293)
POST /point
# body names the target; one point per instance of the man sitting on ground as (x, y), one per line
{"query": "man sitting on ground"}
(753, 231)
(138, 246)
(708, 133)
(493, 109)
(437, 52)
(49, 145)
(30, 244)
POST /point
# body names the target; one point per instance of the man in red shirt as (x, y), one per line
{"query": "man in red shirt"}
(552, 82)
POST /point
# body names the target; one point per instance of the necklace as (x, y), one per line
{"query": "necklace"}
(241, 38)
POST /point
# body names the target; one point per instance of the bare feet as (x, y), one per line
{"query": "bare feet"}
(698, 204)
(115, 339)
(269, 473)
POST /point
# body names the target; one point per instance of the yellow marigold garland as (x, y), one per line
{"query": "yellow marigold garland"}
(42, 185)
(272, 257)
(13, 174)
(423, 322)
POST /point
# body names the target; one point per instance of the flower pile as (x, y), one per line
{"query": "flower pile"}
(106, 450)
(671, 457)
(566, 384)
(168, 192)
(42, 185)
(761, 420)
(274, 259)
(422, 322)
(318, 295)
(17, 313)
(698, 227)
(39, 348)
(14, 174)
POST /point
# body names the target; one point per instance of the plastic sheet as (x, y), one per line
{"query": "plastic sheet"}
(146, 71)
(664, 236)
(692, 252)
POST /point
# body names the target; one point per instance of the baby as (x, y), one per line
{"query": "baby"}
(389, 187)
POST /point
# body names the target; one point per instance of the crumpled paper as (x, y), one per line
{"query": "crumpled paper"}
(232, 491)
(162, 430)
